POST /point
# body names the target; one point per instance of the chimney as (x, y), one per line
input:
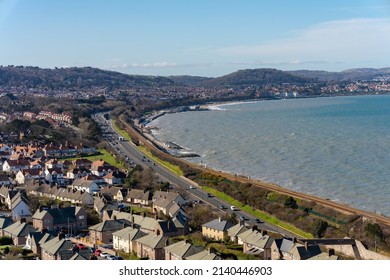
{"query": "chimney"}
(144, 214)
(294, 240)
(306, 245)
(211, 250)
(254, 228)
(132, 221)
(331, 252)
(219, 219)
(156, 216)
(61, 236)
(264, 232)
(167, 242)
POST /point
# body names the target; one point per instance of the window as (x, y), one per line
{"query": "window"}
(81, 217)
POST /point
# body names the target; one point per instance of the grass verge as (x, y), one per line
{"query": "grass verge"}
(104, 155)
(257, 213)
(174, 168)
(122, 132)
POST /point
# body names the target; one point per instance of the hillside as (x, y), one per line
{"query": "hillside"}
(254, 77)
(74, 77)
(346, 75)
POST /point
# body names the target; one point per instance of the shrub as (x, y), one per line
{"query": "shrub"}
(5, 240)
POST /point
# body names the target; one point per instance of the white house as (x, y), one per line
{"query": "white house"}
(26, 174)
(85, 185)
(20, 207)
(124, 239)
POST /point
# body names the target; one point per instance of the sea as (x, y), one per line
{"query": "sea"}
(336, 148)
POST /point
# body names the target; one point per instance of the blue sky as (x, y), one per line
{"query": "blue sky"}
(203, 38)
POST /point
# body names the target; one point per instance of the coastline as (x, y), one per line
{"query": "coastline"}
(324, 201)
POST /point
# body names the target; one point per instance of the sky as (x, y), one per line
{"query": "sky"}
(200, 38)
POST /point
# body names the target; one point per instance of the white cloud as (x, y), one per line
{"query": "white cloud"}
(345, 40)
(151, 65)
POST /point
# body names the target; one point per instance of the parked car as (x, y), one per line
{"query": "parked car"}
(209, 195)
(192, 187)
(104, 255)
(233, 208)
(98, 252)
(80, 246)
(222, 207)
(111, 257)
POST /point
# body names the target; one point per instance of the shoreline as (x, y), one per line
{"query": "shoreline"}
(272, 186)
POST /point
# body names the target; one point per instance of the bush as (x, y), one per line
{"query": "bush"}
(5, 240)
(319, 228)
(6, 250)
(290, 202)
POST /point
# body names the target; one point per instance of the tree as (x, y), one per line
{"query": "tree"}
(373, 231)
(290, 202)
(319, 227)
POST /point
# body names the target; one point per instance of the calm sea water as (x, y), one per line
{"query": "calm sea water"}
(336, 148)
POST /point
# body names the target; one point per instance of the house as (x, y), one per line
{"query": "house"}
(145, 224)
(72, 218)
(85, 185)
(20, 206)
(53, 164)
(13, 166)
(52, 249)
(4, 180)
(82, 163)
(101, 205)
(171, 196)
(181, 250)
(103, 232)
(235, 231)
(18, 231)
(4, 222)
(114, 193)
(216, 229)
(54, 175)
(23, 175)
(114, 178)
(37, 164)
(55, 192)
(76, 173)
(124, 239)
(101, 168)
(204, 255)
(255, 243)
(167, 207)
(34, 240)
(151, 246)
(292, 250)
(140, 197)
(6, 195)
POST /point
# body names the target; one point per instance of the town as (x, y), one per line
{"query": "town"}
(130, 222)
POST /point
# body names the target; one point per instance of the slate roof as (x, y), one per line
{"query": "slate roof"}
(55, 245)
(183, 249)
(59, 215)
(109, 225)
(256, 239)
(237, 229)
(5, 222)
(129, 233)
(218, 224)
(153, 241)
(19, 229)
(204, 255)
(139, 194)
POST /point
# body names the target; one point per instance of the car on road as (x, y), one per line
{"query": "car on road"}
(104, 255)
(222, 207)
(192, 187)
(242, 218)
(209, 195)
(111, 257)
(233, 208)
(97, 252)
(258, 221)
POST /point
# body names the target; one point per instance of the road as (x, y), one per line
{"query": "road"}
(130, 150)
